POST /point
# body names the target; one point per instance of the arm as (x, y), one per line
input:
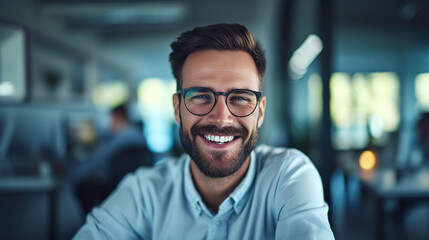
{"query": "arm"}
(121, 216)
(300, 211)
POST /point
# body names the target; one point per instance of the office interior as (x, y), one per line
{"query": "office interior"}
(347, 83)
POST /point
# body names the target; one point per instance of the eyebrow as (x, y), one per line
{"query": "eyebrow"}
(227, 90)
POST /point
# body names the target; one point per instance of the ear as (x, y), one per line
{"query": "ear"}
(176, 105)
(262, 104)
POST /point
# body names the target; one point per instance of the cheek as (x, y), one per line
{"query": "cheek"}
(250, 124)
(188, 119)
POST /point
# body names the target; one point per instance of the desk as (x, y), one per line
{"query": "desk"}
(383, 183)
(48, 185)
(386, 185)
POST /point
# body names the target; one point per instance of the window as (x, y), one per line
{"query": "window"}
(363, 107)
(110, 94)
(421, 89)
(156, 107)
(12, 62)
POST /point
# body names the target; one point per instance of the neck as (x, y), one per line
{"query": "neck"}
(215, 190)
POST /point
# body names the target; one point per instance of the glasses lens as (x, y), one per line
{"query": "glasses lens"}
(199, 101)
(242, 102)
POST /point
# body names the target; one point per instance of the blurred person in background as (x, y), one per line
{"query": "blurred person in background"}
(423, 137)
(418, 155)
(123, 151)
(224, 187)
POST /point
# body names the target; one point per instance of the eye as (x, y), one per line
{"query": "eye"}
(239, 98)
(201, 97)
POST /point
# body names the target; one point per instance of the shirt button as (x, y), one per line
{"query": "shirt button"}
(217, 223)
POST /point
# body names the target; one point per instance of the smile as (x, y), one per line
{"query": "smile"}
(219, 139)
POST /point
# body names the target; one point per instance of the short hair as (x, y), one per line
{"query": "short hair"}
(217, 37)
(121, 111)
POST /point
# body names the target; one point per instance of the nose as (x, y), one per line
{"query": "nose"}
(220, 115)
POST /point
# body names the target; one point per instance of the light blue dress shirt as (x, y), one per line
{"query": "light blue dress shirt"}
(281, 197)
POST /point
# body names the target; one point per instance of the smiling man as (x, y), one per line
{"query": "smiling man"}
(224, 187)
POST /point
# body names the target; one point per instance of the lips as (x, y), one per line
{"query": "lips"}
(218, 137)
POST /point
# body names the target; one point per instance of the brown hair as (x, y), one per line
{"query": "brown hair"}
(218, 37)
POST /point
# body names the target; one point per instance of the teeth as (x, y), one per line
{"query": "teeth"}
(219, 139)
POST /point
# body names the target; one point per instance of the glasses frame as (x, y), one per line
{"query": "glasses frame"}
(226, 94)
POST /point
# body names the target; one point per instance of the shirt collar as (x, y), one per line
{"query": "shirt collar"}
(239, 196)
(191, 192)
(241, 192)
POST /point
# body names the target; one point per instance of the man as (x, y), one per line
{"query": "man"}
(224, 187)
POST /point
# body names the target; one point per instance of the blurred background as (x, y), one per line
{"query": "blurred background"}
(347, 83)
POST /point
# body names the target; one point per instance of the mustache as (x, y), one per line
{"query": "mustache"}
(212, 129)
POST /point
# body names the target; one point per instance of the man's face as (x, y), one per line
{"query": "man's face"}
(220, 71)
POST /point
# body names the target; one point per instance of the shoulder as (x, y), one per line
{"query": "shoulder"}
(291, 180)
(129, 211)
(282, 167)
(148, 187)
(153, 181)
(167, 172)
(280, 158)
(160, 175)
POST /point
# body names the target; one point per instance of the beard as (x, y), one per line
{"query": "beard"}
(217, 165)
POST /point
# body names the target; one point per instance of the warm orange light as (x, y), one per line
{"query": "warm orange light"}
(367, 160)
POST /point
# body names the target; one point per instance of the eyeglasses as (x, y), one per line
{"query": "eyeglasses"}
(200, 101)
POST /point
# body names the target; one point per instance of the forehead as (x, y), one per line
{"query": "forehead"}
(220, 69)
